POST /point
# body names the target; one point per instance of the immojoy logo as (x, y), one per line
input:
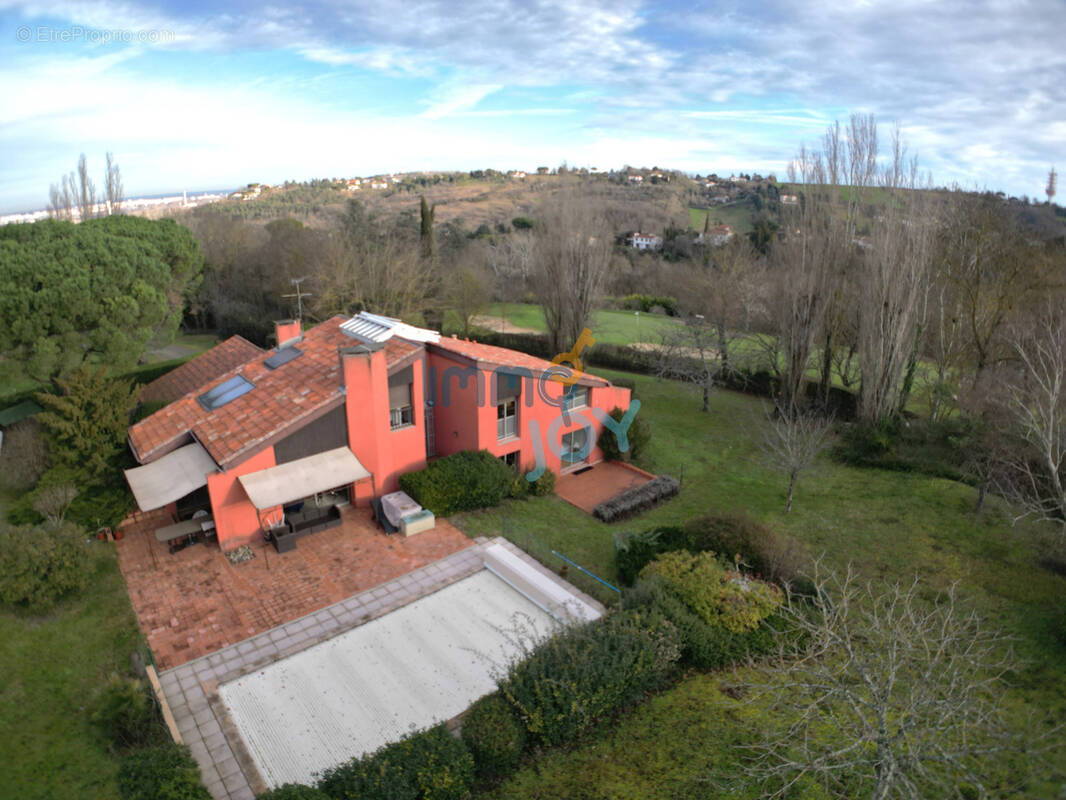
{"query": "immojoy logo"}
(567, 369)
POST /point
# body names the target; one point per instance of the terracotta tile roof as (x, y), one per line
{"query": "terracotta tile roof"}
(281, 398)
(397, 349)
(490, 356)
(207, 366)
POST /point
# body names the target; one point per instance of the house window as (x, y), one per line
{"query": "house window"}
(577, 397)
(401, 406)
(511, 460)
(573, 446)
(507, 419)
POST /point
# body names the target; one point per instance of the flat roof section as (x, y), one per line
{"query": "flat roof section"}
(421, 664)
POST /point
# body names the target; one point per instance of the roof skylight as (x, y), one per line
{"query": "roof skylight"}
(225, 392)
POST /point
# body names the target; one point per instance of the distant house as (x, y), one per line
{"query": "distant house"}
(542, 170)
(716, 236)
(516, 174)
(379, 185)
(790, 199)
(636, 179)
(645, 241)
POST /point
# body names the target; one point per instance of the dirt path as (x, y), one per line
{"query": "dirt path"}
(499, 325)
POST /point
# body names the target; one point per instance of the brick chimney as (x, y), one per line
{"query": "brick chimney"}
(287, 331)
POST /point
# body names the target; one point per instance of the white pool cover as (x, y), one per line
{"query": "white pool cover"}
(416, 666)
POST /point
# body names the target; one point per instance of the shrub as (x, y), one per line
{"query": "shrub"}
(428, 765)
(24, 456)
(544, 485)
(463, 481)
(125, 713)
(635, 550)
(294, 791)
(760, 549)
(703, 645)
(580, 674)
(633, 501)
(638, 436)
(719, 596)
(167, 772)
(627, 383)
(39, 564)
(493, 735)
(519, 487)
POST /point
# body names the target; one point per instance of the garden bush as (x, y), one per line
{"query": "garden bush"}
(39, 564)
(24, 456)
(493, 735)
(544, 485)
(634, 550)
(464, 481)
(638, 436)
(759, 549)
(703, 645)
(294, 791)
(167, 772)
(633, 501)
(125, 713)
(581, 674)
(718, 595)
(428, 765)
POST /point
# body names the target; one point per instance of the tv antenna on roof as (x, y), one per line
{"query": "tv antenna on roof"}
(299, 296)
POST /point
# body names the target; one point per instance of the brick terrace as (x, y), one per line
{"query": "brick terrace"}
(605, 480)
(195, 602)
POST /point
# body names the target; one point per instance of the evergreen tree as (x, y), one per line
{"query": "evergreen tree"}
(429, 242)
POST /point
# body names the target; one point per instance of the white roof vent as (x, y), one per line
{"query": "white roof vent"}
(376, 328)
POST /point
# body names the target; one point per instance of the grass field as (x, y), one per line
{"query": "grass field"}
(51, 666)
(738, 217)
(889, 525)
(612, 327)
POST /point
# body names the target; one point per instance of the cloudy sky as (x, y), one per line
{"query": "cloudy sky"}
(200, 95)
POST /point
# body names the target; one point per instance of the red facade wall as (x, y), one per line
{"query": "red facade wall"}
(237, 521)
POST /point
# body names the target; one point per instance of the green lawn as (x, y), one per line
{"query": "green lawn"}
(611, 327)
(736, 217)
(890, 525)
(51, 666)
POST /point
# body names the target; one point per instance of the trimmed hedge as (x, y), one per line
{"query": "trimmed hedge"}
(41, 564)
(160, 773)
(581, 674)
(703, 646)
(633, 501)
(493, 735)
(294, 791)
(464, 481)
(428, 765)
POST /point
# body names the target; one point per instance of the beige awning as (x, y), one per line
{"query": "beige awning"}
(298, 479)
(171, 477)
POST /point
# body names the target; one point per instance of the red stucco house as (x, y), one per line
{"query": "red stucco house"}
(346, 407)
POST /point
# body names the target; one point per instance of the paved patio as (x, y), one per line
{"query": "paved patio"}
(194, 602)
(588, 488)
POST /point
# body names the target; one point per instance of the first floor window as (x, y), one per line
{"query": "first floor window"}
(507, 419)
(401, 408)
(511, 460)
(573, 446)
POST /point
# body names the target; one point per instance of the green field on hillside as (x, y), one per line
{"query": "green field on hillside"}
(738, 217)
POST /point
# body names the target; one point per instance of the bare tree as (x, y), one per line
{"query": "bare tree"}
(1034, 474)
(689, 353)
(886, 695)
(52, 502)
(61, 200)
(792, 442)
(86, 191)
(113, 191)
(724, 291)
(467, 293)
(573, 254)
(894, 277)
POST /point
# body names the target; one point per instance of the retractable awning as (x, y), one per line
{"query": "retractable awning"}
(171, 477)
(303, 477)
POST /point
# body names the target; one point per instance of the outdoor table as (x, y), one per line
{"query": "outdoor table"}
(397, 506)
(180, 531)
